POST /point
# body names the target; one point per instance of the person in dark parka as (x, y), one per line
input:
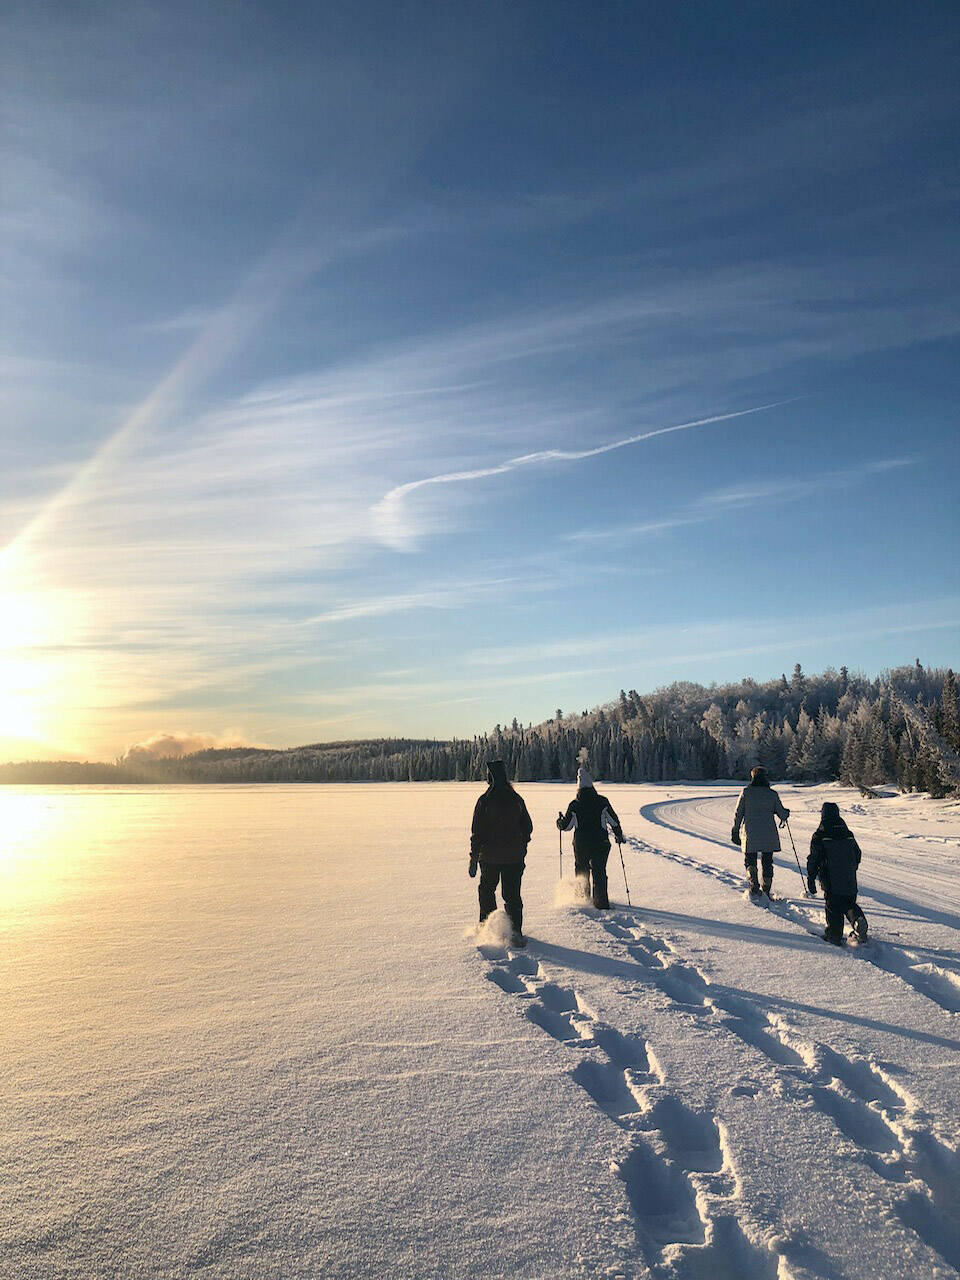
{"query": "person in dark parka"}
(499, 837)
(590, 816)
(759, 804)
(834, 858)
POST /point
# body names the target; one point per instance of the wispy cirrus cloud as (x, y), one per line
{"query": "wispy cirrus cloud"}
(712, 506)
(639, 529)
(443, 597)
(389, 516)
(796, 487)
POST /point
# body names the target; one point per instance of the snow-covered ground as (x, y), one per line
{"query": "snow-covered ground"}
(243, 1035)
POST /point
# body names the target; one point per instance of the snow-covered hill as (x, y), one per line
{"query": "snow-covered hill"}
(244, 1035)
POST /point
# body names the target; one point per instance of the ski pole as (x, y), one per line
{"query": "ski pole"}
(803, 882)
(623, 865)
(560, 834)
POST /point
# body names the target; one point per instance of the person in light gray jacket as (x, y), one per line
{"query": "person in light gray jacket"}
(757, 810)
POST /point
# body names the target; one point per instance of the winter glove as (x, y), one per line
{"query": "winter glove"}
(473, 868)
(811, 888)
(559, 821)
(735, 836)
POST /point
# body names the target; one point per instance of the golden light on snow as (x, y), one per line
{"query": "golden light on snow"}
(36, 843)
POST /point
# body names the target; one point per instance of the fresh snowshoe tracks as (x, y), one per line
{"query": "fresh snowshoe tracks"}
(883, 1124)
(929, 980)
(677, 1170)
(688, 989)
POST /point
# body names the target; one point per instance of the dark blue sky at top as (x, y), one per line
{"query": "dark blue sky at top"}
(405, 241)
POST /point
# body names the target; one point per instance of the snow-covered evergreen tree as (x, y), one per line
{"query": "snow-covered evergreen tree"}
(949, 718)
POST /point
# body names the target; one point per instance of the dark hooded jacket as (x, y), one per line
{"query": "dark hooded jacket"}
(501, 825)
(590, 816)
(834, 855)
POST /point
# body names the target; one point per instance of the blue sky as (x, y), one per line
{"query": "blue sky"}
(339, 344)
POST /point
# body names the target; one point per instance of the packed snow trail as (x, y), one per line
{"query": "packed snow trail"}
(914, 936)
(911, 845)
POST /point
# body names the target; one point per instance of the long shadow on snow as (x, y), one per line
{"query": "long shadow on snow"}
(948, 918)
(628, 971)
(774, 937)
(729, 929)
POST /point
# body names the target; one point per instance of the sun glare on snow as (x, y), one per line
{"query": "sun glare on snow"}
(34, 851)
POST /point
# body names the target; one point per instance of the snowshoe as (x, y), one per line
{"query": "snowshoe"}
(860, 927)
(518, 940)
(835, 942)
(753, 893)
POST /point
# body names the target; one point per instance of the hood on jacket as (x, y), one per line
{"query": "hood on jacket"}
(758, 776)
(830, 819)
(497, 774)
(583, 779)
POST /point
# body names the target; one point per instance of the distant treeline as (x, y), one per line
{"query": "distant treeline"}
(901, 727)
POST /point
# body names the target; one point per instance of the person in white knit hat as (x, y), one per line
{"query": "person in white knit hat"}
(590, 816)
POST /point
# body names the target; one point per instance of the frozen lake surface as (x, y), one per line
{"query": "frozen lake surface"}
(244, 1035)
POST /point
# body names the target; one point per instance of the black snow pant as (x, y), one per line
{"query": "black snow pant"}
(836, 906)
(766, 863)
(593, 865)
(508, 875)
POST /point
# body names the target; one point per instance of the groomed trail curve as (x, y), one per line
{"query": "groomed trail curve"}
(908, 883)
(911, 859)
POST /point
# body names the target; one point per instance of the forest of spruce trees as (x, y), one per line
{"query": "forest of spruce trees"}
(901, 727)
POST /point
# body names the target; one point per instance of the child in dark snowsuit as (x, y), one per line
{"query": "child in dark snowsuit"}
(589, 817)
(499, 837)
(834, 858)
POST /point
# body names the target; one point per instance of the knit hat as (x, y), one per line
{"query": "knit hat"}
(758, 774)
(583, 779)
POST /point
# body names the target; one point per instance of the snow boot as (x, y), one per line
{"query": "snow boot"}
(754, 889)
(518, 940)
(837, 942)
(860, 926)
